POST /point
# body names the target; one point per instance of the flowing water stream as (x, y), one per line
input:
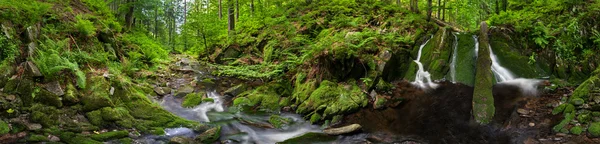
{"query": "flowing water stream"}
(423, 78)
(454, 59)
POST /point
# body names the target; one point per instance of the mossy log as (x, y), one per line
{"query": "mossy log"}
(483, 100)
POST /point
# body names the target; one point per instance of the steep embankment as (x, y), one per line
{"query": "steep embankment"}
(71, 73)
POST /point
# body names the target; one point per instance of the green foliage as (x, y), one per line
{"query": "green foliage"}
(577, 130)
(4, 128)
(278, 121)
(594, 129)
(9, 49)
(143, 50)
(85, 27)
(50, 62)
(26, 12)
(192, 99)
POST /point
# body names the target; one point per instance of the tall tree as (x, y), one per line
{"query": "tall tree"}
(129, 15)
(252, 7)
(429, 9)
(237, 9)
(185, 44)
(444, 10)
(439, 9)
(398, 2)
(220, 9)
(231, 17)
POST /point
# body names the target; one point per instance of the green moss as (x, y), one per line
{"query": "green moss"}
(241, 101)
(95, 117)
(303, 88)
(192, 99)
(584, 118)
(577, 101)
(4, 129)
(577, 130)
(96, 96)
(266, 96)
(285, 101)
(334, 99)
(208, 100)
(45, 115)
(45, 97)
(315, 118)
(125, 141)
(594, 129)
(278, 121)
(511, 56)
(583, 90)
(37, 138)
(70, 96)
(72, 138)
(110, 135)
(210, 135)
(569, 109)
(564, 122)
(380, 103)
(559, 109)
(158, 131)
(596, 114)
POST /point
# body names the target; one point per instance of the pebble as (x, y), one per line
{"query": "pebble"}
(53, 138)
(11, 97)
(561, 134)
(531, 124)
(522, 111)
(557, 139)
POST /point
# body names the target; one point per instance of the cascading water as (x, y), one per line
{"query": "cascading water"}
(454, 58)
(421, 73)
(501, 73)
(232, 129)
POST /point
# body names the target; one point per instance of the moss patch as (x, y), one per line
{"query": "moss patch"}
(278, 121)
(192, 99)
(332, 99)
(268, 97)
(110, 135)
(4, 129)
(594, 129)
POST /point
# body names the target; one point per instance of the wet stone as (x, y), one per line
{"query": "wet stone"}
(53, 138)
(10, 97)
(343, 130)
(523, 111)
(33, 69)
(34, 126)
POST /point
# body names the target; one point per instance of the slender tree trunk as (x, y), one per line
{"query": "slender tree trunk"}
(444, 10)
(231, 17)
(220, 9)
(185, 46)
(398, 2)
(237, 10)
(429, 9)
(252, 7)
(129, 16)
(439, 9)
(497, 7)
(155, 22)
(505, 4)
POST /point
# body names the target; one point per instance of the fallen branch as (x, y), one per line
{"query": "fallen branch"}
(444, 24)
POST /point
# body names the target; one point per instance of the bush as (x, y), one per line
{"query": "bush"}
(50, 62)
(85, 27)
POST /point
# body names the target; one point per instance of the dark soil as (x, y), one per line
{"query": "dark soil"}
(443, 115)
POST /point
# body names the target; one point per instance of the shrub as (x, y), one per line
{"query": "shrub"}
(50, 62)
(85, 27)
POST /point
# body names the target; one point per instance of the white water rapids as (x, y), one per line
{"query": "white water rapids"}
(423, 78)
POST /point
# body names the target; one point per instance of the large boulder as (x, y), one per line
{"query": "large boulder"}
(209, 136)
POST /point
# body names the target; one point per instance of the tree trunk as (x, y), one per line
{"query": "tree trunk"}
(429, 9)
(237, 10)
(231, 18)
(129, 14)
(497, 7)
(439, 12)
(398, 2)
(505, 4)
(252, 7)
(444, 10)
(185, 46)
(155, 22)
(220, 9)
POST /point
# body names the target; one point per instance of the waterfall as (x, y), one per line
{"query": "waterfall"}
(453, 64)
(476, 45)
(421, 73)
(501, 73)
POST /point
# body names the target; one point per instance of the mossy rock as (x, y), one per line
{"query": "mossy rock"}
(37, 138)
(278, 122)
(334, 99)
(110, 135)
(576, 130)
(158, 131)
(559, 109)
(577, 101)
(465, 60)
(71, 96)
(4, 129)
(435, 56)
(192, 99)
(48, 98)
(594, 129)
(268, 97)
(564, 122)
(209, 136)
(514, 58)
(584, 89)
(570, 108)
(208, 100)
(584, 118)
(315, 118)
(96, 96)
(46, 115)
(72, 138)
(303, 88)
(380, 102)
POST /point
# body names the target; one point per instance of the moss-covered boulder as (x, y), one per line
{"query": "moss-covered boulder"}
(435, 56)
(303, 88)
(110, 135)
(209, 136)
(37, 138)
(278, 122)
(515, 58)
(48, 98)
(96, 95)
(192, 99)
(268, 97)
(483, 99)
(72, 138)
(46, 115)
(594, 129)
(332, 99)
(465, 59)
(108, 115)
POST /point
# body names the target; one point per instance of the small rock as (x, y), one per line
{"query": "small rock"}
(209, 136)
(234, 91)
(596, 99)
(53, 138)
(33, 69)
(522, 111)
(255, 123)
(106, 75)
(531, 124)
(557, 139)
(111, 91)
(162, 91)
(184, 90)
(287, 109)
(11, 97)
(34, 126)
(54, 88)
(561, 134)
(342, 130)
